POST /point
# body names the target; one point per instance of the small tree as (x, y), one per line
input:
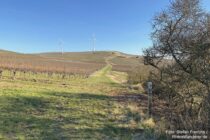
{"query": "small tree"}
(181, 34)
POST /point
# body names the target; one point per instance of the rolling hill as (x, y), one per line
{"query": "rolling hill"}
(69, 62)
(43, 104)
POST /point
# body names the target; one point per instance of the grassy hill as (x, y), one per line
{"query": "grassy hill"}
(69, 62)
(100, 106)
(120, 61)
(51, 63)
(96, 57)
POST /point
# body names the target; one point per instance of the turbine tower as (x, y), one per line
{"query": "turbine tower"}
(93, 43)
(60, 43)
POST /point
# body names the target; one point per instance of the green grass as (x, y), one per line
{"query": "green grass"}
(74, 108)
(118, 77)
(103, 71)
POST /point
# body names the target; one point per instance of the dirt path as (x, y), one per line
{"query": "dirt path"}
(114, 76)
(105, 70)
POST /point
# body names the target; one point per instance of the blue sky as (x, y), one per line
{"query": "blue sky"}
(32, 26)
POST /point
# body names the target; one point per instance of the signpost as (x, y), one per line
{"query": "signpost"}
(149, 90)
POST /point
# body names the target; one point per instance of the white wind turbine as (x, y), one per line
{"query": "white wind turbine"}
(60, 43)
(93, 43)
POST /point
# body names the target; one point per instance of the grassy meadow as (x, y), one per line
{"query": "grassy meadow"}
(100, 106)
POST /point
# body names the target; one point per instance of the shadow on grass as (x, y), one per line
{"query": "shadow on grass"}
(59, 116)
(82, 96)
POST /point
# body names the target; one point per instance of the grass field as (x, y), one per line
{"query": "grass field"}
(98, 107)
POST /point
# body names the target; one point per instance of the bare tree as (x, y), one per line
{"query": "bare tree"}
(181, 34)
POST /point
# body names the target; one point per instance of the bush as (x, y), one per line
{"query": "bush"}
(138, 74)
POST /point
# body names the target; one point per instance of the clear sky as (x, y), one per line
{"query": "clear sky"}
(32, 26)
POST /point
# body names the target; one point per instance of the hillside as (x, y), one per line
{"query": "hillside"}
(38, 63)
(69, 62)
(44, 103)
(97, 57)
(120, 61)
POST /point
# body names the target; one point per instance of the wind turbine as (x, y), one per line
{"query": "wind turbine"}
(60, 43)
(93, 40)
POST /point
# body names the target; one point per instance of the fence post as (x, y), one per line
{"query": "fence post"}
(149, 90)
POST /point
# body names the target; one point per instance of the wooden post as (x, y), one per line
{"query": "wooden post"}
(149, 90)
